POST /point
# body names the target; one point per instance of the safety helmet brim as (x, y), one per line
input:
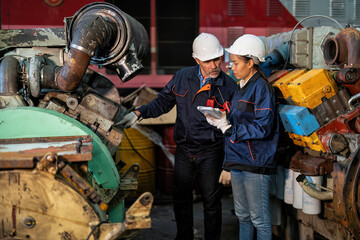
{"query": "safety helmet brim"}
(239, 53)
(207, 58)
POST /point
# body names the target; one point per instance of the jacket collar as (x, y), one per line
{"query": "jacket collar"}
(249, 82)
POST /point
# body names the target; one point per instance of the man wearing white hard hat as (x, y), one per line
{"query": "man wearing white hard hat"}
(200, 149)
(251, 137)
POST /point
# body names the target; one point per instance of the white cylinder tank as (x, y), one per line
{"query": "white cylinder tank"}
(297, 192)
(288, 186)
(311, 205)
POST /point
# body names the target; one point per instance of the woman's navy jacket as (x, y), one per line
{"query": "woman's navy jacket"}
(251, 142)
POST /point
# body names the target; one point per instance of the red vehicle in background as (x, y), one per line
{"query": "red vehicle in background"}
(171, 26)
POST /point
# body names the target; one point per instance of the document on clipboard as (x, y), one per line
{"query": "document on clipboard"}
(214, 112)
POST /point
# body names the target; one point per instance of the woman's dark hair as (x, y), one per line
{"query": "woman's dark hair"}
(257, 68)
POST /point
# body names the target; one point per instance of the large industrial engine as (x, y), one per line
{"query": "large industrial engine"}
(57, 136)
(316, 75)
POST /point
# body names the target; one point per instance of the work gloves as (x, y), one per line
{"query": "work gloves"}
(220, 123)
(128, 120)
(225, 178)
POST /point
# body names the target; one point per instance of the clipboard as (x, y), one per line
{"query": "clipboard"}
(214, 112)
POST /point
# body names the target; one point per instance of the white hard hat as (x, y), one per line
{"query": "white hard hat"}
(249, 45)
(206, 46)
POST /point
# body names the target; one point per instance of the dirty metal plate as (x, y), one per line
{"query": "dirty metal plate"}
(40, 122)
(57, 210)
(21, 151)
(32, 37)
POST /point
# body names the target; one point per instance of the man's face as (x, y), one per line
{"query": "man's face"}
(210, 68)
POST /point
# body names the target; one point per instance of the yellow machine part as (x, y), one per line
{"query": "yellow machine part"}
(308, 89)
(313, 142)
(282, 83)
(36, 205)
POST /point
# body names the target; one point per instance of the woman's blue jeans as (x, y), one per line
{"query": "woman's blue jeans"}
(251, 201)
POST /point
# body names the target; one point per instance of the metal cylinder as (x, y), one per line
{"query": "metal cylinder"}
(344, 49)
(73, 71)
(103, 35)
(9, 69)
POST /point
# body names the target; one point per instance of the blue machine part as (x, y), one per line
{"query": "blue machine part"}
(298, 120)
(275, 59)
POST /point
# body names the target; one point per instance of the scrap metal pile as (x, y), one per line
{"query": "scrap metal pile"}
(316, 76)
(57, 139)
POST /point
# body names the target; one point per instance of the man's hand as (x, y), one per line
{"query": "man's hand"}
(225, 178)
(220, 123)
(128, 120)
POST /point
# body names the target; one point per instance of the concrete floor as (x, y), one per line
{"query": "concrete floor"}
(164, 226)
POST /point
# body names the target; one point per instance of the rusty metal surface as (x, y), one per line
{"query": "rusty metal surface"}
(8, 162)
(100, 105)
(31, 37)
(311, 165)
(347, 193)
(9, 80)
(102, 85)
(346, 123)
(48, 163)
(50, 202)
(335, 143)
(277, 75)
(82, 185)
(71, 149)
(349, 78)
(332, 107)
(92, 110)
(72, 72)
(128, 183)
(344, 49)
(138, 215)
(94, 119)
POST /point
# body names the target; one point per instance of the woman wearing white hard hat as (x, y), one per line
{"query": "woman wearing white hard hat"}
(251, 136)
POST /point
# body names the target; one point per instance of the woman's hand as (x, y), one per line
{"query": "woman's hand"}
(225, 178)
(220, 123)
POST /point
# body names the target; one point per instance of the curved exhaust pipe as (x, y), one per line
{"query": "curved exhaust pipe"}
(343, 49)
(103, 35)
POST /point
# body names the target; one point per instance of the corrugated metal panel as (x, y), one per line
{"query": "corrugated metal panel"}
(234, 33)
(273, 8)
(301, 8)
(337, 8)
(236, 7)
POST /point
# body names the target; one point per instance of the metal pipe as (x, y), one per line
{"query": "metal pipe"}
(91, 32)
(344, 49)
(351, 100)
(312, 192)
(73, 71)
(9, 69)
